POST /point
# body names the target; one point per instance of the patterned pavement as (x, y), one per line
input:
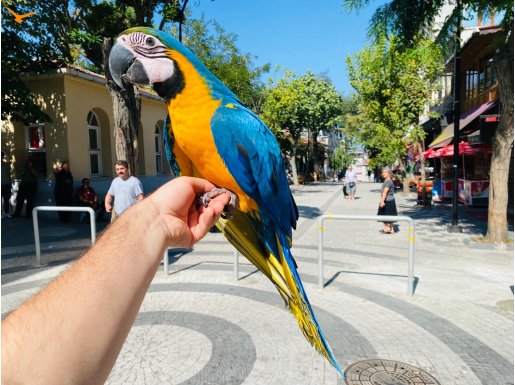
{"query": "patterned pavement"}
(200, 324)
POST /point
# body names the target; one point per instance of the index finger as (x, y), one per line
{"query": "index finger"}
(199, 185)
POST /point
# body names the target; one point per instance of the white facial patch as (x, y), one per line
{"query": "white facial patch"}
(158, 69)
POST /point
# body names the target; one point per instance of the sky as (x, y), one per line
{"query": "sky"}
(300, 35)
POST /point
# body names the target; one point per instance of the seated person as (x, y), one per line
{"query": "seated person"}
(86, 196)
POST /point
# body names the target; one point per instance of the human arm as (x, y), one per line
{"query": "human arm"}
(139, 197)
(107, 203)
(73, 330)
(384, 194)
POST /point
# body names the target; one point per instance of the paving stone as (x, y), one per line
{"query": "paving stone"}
(201, 325)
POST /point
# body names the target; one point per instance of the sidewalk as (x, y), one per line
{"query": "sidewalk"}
(201, 325)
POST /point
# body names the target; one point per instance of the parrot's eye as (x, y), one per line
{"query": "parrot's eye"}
(150, 42)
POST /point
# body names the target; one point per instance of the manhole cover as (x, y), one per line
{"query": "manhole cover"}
(387, 372)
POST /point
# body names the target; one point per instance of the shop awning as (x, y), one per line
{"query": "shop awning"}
(467, 117)
(464, 148)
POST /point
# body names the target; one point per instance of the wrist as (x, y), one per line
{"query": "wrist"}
(143, 231)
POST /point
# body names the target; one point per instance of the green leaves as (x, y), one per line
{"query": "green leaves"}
(219, 52)
(392, 88)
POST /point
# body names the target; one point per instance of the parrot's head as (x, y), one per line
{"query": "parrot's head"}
(147, 56)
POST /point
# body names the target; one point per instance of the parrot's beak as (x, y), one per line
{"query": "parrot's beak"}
(125, 67)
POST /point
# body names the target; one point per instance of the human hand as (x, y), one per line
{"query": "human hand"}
(109, 208)
(186, 221)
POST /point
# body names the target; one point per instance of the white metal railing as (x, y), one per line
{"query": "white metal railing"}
(381, 218)
(60, 208)
(236, 264)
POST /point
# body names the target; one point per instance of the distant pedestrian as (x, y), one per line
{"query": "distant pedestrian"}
(6, 187)
(27, 190)
(63, 190)
(125, 189)
(387, 204)
(350, 182)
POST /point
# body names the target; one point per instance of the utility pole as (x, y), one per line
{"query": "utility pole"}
(454, 227)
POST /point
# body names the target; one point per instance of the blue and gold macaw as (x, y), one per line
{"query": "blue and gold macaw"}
(212, 135)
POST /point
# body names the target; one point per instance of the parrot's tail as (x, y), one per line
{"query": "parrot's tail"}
(280, 268)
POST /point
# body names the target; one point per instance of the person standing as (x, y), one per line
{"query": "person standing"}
(125, 189)
(350, 181)
(27, 190)
(6, 186)
(387, 204)
(63, 191)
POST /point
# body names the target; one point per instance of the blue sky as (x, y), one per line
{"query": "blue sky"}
(300, 35)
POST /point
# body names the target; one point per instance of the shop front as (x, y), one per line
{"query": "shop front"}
(473, 168)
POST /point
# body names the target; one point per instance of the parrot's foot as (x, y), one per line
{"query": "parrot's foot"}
(229, 208)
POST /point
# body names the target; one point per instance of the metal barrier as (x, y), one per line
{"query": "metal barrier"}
(236, 264)
(380, 218)
(60, 208)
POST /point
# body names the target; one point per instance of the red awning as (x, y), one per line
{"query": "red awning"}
(464, 149)
(428, 154)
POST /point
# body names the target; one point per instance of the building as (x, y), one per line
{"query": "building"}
(479, 116)
(81, 131)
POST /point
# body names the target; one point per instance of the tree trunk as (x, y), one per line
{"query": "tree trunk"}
(502, 144)
(127, 113)
(293, 163)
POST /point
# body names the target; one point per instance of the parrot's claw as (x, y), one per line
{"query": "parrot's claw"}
(229, 208)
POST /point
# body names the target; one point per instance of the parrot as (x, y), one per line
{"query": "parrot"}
(209, 133)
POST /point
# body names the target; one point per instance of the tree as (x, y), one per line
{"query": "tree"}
(340, 159)
(295, 104)
(40, 43)
(219, 52)
(408, 20)
(392, 88)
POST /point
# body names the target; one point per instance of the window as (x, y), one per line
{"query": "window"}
(471, 84)
(94, 154)
(36, 148)
(36, 137)
(158, 144)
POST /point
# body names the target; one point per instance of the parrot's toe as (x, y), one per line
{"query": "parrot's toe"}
(229, 208)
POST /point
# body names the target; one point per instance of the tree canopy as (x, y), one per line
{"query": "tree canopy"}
(71, 32)
(294, 105)
(392, 88)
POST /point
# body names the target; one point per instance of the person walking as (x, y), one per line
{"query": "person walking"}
(387, 204)
(125, 189)
(27, 190)
(350, 182)
(6, 187)
(63, 190)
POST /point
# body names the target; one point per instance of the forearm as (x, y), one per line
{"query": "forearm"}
(90, 308)
(384, 194)
(107, 202)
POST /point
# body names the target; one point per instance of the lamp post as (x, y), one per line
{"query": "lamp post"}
(454, 227)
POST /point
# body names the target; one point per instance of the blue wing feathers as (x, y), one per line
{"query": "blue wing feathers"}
(251, 154)
(169, 143)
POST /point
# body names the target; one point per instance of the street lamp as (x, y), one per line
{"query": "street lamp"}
(454, 227)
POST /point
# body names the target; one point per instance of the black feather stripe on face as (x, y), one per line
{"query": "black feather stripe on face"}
(172, 86)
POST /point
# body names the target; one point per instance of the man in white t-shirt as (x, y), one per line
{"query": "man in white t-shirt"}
(125, 189)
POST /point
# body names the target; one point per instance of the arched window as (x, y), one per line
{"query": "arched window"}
(95, 156)
(158, 144)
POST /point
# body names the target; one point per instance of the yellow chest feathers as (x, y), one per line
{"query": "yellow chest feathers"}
(191, 112)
